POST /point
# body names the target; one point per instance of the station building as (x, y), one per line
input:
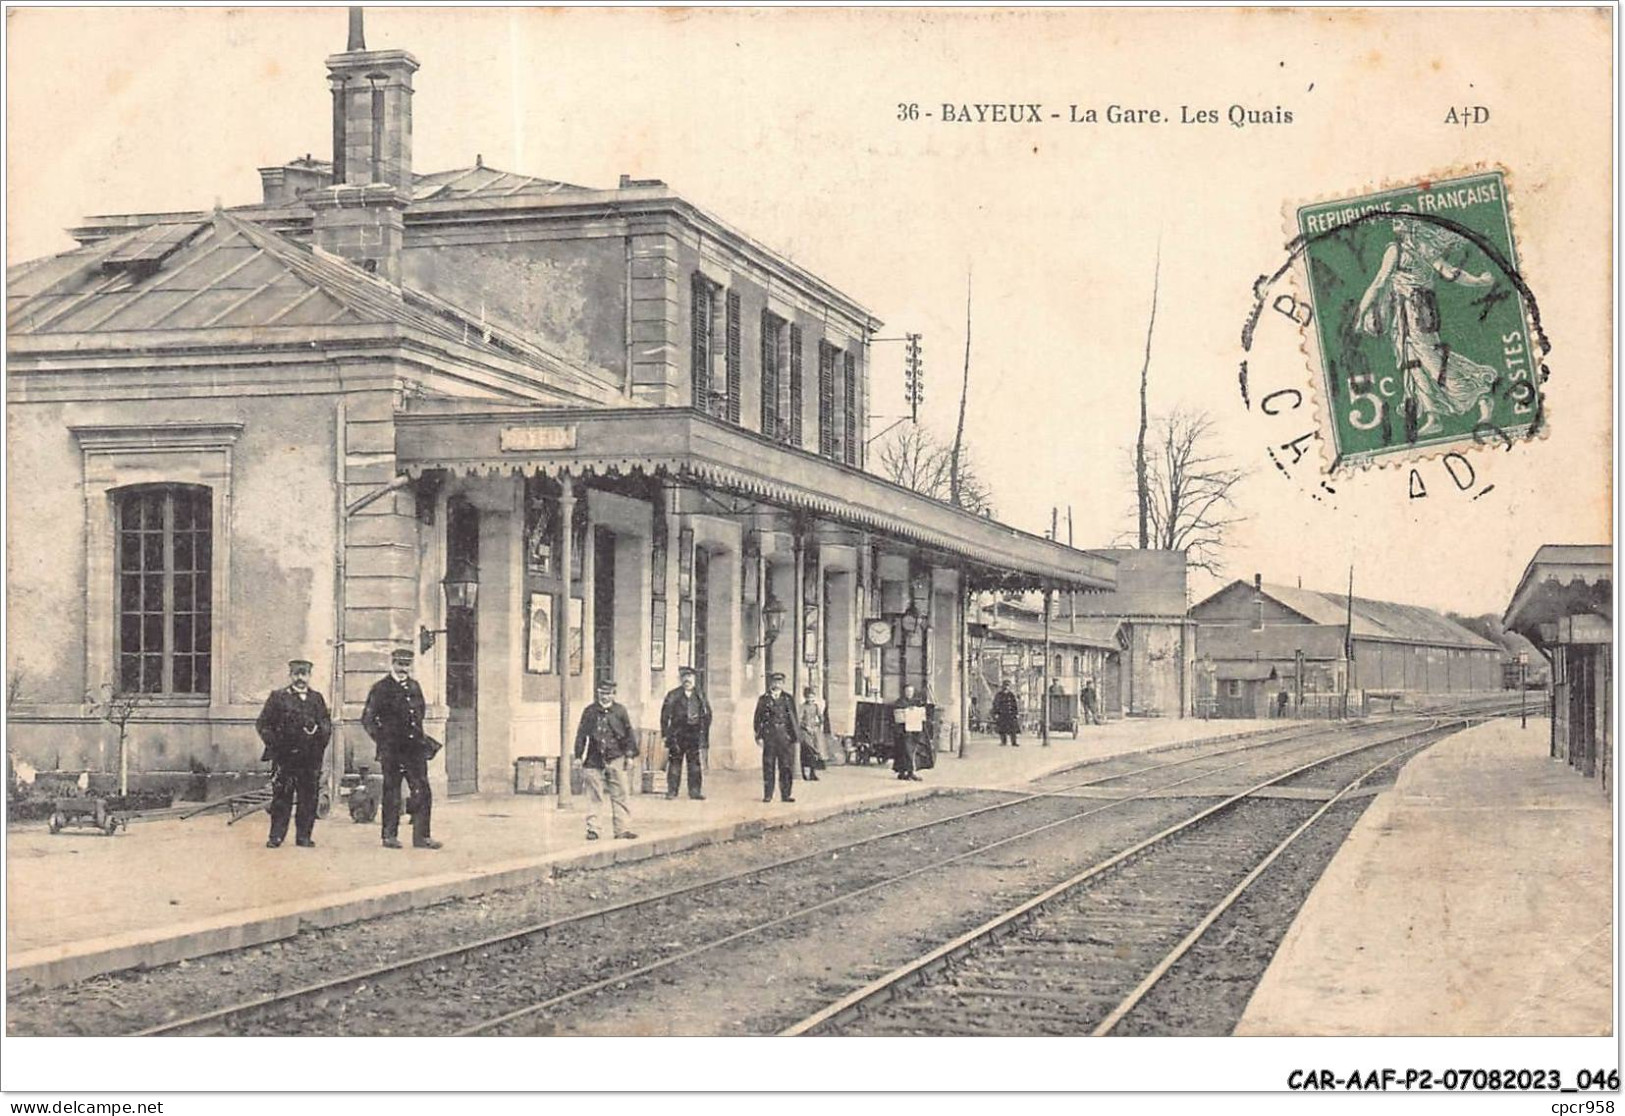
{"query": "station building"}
(1564, 605)
(1135, 641)
(541, 432)
(1080, 649)
(1257, 641)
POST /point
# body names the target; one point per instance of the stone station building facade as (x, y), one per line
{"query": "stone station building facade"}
(541, 432)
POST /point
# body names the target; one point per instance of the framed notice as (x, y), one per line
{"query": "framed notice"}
(575, 635)
(539, 634)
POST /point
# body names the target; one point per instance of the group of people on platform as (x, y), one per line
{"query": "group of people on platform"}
(1007, 712)
(295, 727)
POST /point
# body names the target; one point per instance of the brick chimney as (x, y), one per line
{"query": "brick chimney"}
(1258, 602)
(360, 216)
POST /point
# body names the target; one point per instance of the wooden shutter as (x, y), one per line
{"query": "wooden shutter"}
(794, 437)
(733, 357)
(850, 418)
(700, 361)
(826, 399)
(770, 376)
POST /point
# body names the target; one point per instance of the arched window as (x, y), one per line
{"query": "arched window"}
(163, 563)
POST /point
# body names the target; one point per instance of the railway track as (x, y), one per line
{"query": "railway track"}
(543, 968)
(1082, 956)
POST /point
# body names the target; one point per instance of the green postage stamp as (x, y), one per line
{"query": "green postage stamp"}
(1427, 335)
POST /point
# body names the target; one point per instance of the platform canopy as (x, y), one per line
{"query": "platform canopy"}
(695, 448)
(1562, 582)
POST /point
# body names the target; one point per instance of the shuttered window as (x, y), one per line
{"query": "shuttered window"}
(702, 329)
(793, 434)
(770, 375)
(849, 381)
(826, 399)
(733, 358)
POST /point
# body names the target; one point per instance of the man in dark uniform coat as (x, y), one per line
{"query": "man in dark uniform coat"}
(295, 728)
(685, 725)
(1006, 715)
(394, 719)
(908, 713)
(606, 747)
(777, 736)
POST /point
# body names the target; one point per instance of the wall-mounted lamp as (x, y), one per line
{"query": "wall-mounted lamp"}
(978, 638)
(462, 590)
(911, 620)
(772, 624)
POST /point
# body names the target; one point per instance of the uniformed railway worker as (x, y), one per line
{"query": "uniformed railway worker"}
(606, 747)
(776, 732)
(685, 725)
(1007, 715)
(394, 719)
(295, 728)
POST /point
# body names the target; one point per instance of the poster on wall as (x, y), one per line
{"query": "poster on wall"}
(575, 635)
(539, 637)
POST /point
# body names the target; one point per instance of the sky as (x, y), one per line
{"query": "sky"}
(785, 123)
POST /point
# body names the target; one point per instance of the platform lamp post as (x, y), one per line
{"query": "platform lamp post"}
(1523, 690)
(975, 641)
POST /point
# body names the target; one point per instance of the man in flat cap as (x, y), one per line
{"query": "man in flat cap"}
(776, 735)
(394, 719)
(606, 747)
(685, 725)
(295, 728)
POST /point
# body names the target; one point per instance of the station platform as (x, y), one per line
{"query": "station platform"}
(1475, 897)
(80, 904)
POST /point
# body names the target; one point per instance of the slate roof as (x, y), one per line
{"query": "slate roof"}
(1149, 583)
(1090, 633)
(227, 272)
(480, 181)
(1382, 620)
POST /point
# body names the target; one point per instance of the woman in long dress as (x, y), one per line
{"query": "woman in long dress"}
(1402, 302)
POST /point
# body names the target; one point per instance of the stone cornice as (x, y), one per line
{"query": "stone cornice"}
(157, 436)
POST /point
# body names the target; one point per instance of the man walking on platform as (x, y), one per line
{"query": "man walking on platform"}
(1006, 715)
(295, 728)
(393, 718)
(1091, 704)
(606, 747)
(777, 736)
(685, 725)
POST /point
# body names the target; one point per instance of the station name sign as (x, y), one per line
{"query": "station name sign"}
(521, 439)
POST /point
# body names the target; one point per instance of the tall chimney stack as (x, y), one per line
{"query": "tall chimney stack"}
(360, 217)
(1258, 602)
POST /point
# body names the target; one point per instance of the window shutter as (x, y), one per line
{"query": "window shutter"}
(850, 380)
(770, 377)
(700, 361)
(733, 357)
(795, 386)
(826, 399)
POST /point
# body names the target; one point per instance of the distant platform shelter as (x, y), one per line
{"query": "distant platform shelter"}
(1564, 605)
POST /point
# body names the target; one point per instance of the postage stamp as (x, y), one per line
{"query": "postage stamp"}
(1426, 333)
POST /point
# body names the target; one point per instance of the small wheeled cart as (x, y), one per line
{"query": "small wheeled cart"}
(88, 813)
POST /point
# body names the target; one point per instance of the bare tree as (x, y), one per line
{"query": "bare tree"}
(117, 707)
(1190, 489)
(914, 458)
(1141, 480)
(956, 475)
